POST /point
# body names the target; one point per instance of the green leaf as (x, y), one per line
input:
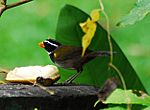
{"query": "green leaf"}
(115, 108)
(147, 108)
(140, 10)
(95, 72)
(120, 96)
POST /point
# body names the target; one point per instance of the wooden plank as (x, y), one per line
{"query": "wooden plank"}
(29, 97)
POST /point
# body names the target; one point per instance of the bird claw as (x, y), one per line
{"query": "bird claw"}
(68, 82)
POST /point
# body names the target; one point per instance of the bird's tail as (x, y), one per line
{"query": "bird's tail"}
(100, 53)
(93, 55)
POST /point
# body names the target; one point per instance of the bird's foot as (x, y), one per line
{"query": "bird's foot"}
(67, 82)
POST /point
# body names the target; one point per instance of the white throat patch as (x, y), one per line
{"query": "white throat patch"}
(49, 53)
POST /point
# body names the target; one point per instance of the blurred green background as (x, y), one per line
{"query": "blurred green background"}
(21, 29)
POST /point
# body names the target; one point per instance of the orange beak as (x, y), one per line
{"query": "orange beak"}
(41, 44)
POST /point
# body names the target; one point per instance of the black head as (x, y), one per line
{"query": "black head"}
(49, 45)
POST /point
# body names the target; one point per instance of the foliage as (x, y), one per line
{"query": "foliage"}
(42, 19)
(136, 99)
(120, 96)
(140, 10)
(147, 108)
(21, 34)
(95, 72)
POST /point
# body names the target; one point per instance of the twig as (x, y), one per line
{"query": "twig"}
(120, 75)
(111, 53)
(17, 4)
(111, 47)
(2, 9)
(3, 2)
(108, 30)
(4, 6)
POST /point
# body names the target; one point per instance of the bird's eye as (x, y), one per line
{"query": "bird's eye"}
(47, 42)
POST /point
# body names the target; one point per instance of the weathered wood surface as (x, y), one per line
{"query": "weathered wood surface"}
(29, 97)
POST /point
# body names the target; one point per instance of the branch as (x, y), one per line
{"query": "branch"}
(3, 2)
(4, 5)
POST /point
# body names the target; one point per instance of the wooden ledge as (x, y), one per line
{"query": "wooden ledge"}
(29, 97)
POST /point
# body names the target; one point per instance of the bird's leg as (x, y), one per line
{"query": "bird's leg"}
(70, 79)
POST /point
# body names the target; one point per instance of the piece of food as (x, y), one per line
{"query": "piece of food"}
(30, 74)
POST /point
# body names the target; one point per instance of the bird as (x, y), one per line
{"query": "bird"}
(69, 57)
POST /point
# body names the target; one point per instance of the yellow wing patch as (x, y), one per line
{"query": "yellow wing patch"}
(55, 55)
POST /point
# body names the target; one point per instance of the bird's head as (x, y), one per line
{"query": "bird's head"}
(49, 45)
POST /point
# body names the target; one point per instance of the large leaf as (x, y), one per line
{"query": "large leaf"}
(147, 108)
(116, 108)
(120, 96)
(95, 72)
(140, 10)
